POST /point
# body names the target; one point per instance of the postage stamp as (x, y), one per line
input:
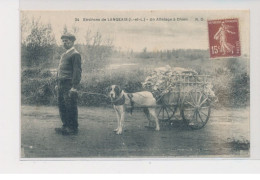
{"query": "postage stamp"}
(224, 38)
(124, 84)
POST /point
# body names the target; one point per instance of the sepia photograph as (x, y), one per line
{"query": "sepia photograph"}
(134, 84)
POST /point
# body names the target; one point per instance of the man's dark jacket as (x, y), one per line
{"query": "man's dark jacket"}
(70, 67)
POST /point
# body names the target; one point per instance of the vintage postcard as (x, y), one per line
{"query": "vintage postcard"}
(135, 84)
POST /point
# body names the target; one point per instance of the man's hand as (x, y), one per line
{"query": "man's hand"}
(73, 91)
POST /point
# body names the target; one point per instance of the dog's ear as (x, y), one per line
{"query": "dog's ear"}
(118, 90)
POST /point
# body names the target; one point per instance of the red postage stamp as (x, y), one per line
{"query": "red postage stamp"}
(224, 38)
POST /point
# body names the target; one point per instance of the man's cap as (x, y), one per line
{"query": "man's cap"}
(68, 36)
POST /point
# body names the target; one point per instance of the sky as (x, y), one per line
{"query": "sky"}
(189, 32)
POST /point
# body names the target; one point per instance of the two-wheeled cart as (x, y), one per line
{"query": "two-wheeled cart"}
(189, 94)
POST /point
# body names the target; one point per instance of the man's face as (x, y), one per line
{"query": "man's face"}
(67, 44)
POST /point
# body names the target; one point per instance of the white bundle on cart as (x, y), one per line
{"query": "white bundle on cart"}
(175, 79)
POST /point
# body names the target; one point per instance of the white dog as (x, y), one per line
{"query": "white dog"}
(120, 98)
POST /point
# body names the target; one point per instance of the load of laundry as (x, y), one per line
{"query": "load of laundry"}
(167, 79)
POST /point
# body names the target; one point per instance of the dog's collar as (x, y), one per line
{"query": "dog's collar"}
(120, 100)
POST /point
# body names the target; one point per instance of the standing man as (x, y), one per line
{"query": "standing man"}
(69, 76)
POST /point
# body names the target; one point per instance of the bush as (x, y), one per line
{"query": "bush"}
(30, 72)
(37, 87)
(231, 84)
(241, 90)
(232, 89)
(97, 82)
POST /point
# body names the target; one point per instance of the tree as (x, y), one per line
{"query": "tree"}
(39, 44)
(96, 50)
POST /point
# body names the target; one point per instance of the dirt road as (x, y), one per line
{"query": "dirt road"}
(225, 135)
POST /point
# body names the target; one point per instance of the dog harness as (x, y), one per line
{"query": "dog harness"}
(130, 96)
(120, 100)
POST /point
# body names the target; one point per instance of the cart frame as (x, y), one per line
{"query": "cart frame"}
(190, 96)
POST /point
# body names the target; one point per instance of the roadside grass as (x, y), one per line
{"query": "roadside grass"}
(239, 143)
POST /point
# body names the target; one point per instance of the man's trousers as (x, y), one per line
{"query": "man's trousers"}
(67, 103)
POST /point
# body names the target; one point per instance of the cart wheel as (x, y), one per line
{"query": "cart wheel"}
(167, 108)
(195, 110)
(166, 112)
